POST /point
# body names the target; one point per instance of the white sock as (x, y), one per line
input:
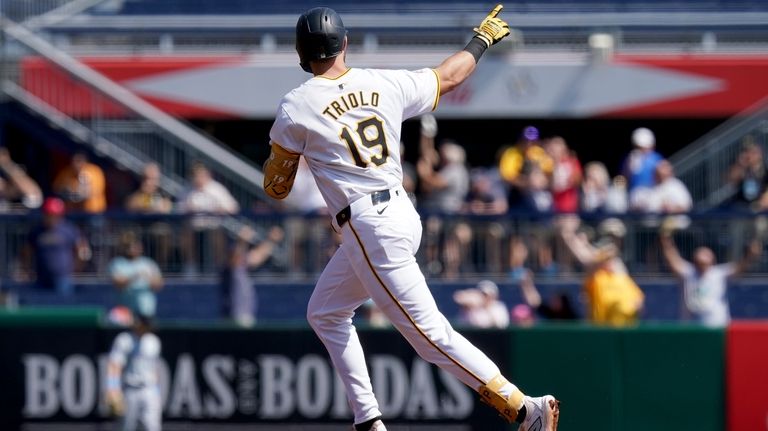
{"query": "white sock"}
(507, 390)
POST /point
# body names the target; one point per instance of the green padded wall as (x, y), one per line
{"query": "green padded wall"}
(649, 378)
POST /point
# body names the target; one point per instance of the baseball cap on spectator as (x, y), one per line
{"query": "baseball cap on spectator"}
(120, 315)
(530, 133)
(489, 288)
(643, 138)
(53, 206)
(613, 227)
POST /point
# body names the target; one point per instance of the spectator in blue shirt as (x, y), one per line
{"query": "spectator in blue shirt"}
(137, 277)
(640, 165)
(54, 245)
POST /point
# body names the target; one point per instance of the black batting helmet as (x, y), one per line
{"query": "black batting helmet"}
(319, 34)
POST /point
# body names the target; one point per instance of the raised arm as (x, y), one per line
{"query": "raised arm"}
(427, 140)
(457, 68)
(468, 298)
(30, 192)
(578, 245)
(430, 179)
(671, 255)
(156, 281)
(581, 249)
(754, 249)
(259, 254)
(531, 295)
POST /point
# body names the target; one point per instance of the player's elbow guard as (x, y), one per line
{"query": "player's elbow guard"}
(280, 172)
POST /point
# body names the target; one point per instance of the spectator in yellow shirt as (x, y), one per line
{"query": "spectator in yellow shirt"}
(516, 161)
(149, 198)
(613, 297)
(82, 186)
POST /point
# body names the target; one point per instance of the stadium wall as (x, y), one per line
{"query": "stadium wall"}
(286, 302)
(514, 86)
(651, 377)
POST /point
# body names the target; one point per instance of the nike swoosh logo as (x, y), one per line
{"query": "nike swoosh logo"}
(382, 210)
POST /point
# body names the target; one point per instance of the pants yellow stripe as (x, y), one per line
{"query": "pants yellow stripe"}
(405, 312)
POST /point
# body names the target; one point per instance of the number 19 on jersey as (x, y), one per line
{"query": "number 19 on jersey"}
(368, 134)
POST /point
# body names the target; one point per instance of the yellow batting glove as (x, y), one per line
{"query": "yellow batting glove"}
(492, 29)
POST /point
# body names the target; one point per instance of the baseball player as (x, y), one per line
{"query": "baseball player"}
(133, 389)
(346, 123)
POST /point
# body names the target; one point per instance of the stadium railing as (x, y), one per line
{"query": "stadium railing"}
(23, 10)
(704, 164)
(110, 119)
(453, 246)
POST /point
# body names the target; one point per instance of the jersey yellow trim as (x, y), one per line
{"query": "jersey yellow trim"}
(437, 95)
(405, 312)
(333, 79)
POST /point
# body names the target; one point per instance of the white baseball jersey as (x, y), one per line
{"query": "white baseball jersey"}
(138, 356)
(705, 294)
(348, 128)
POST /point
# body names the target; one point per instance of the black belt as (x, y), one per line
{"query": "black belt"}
(378, 197)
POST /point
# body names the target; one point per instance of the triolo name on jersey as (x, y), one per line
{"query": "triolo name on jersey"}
(351, 101)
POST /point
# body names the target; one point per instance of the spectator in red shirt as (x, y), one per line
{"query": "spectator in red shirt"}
(566, 176)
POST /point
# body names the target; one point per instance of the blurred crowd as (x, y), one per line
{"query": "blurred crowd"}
(540, 174)
(57, 246)
(534, 177)
(538, 179)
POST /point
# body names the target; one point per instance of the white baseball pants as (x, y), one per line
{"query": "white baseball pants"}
(142, 406)
(376, 260)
